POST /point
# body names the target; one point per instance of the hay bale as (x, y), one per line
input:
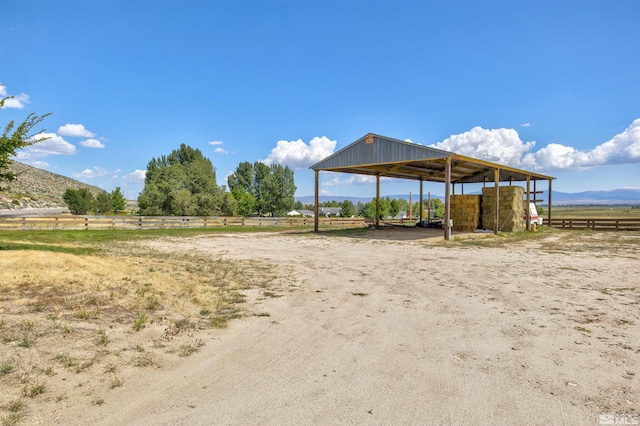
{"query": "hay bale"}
(511, 208)
(465, 211)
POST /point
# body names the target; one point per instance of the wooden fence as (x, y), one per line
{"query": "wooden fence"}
(69, 222)
(599, 224)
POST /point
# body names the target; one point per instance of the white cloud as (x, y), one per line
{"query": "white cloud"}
(220, 151)
(135, 177)
(75, 130)
(17, 101)
(497, 145)
(504, 146)
(39, 164)
(623, 148)
(526, 124)
(216, 143)
(92, 143)
(342, 179)
(91, 173)
(297, 154)
(55, 145)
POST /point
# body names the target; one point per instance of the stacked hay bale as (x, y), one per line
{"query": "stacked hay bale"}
(510, 205)
(465, 212)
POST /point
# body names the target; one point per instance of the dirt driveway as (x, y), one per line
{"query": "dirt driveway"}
(397, 328)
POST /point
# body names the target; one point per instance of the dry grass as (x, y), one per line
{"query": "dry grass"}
(69, 318)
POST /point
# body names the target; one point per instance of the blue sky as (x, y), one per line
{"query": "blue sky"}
(551, 86)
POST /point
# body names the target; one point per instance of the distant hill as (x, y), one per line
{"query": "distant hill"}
(36, 188)
(616, 196)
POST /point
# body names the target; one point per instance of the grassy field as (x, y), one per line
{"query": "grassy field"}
(87, 307)
(595, 212)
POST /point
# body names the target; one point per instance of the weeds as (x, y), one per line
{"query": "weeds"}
(101, 339)
(140, 322)
(116, 382)
(7, 367)
(219, 322)
(31, 390)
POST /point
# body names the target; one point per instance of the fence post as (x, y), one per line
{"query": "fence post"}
(86, 223)
(139, 222)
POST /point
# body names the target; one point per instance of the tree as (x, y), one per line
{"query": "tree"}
(118, 203)
(14, 138)
(79, 201)
(181, 183)
(262, 189)
(103, 203)
(277, 190)
(242, 179)
(394, 208)
(347, 209)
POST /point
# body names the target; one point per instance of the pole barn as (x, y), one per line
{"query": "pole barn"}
(380, 156)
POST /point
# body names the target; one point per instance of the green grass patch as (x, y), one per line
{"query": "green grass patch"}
(46, 247)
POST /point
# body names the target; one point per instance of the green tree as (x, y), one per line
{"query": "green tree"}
(181, 183)
(369, 210)
(242, 179)
(246, 204)
(14, 138)
(298, 205)
(277, 190)
(394, 208)
(79, 201)
(103, 203)
(118, 203)
(262, 189)
(347, 209)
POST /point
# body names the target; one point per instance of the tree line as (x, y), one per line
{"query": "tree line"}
(183, 183)
(389, 207)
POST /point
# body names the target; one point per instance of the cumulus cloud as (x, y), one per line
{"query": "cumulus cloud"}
(341, 179)
(504, 146)
(18, 101)
(92, 143)
(91, 173)
(75, 130)
(297, 154)
(55, 145)
(220, 151)
(496, 145)
(135, 177)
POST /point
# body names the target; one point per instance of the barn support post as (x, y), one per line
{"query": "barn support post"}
(526, 208)
(377, 201)
(316, 198)
(549, 209)
(496, 180)
(447, 199)
(421, 204)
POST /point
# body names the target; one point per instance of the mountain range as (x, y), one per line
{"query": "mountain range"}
(615, 196)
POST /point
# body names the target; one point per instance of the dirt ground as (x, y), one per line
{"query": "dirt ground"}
(399, 327)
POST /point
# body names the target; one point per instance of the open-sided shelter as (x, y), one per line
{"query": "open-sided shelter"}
(381, 156)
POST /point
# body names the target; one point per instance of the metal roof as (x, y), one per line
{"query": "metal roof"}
(382, 156)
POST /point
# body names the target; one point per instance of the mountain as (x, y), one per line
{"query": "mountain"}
(615, 196)
(36, 188)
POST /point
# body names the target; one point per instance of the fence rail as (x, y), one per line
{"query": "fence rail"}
(68, 222)
(598, 224)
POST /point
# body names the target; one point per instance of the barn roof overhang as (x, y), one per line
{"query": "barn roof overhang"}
(377, 155)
